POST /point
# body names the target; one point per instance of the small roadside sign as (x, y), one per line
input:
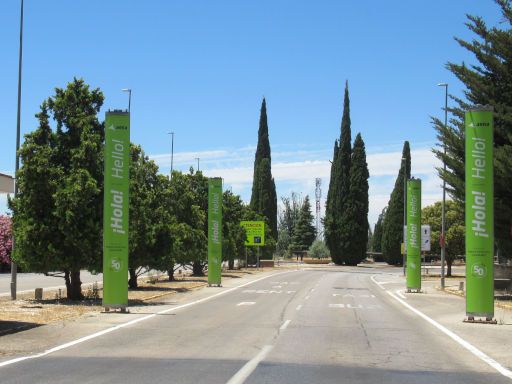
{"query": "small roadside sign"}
(255, 231)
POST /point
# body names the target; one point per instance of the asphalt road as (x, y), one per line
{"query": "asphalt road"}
(30, 281)
(317, 326)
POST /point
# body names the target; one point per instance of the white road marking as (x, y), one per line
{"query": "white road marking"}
(307, 297)
(470, 347)
(246, 303)
(348, 295)
(277, 286)
(285, 325)
(128, 323)
(376, 282)
(336, 305)
(399, 293)
(250, 366)
(354, 306)
(312, 289)
(298, 307)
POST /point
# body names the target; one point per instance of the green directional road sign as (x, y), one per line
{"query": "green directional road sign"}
(115, 209)
(414, 234)
(479, 213)
(255, 231)
(214, 230)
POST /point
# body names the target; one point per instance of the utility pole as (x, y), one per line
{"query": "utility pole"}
(197, 158)
(172, 151)
(14, 267)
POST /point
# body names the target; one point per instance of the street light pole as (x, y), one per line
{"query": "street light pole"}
(14, 267)
(197, 158)
(404, 161)
(172, 151)
(443, 206)
(129, 90)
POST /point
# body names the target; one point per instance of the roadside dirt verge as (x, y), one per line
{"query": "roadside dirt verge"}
(26, 313)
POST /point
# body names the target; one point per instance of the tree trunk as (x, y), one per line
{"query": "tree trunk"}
(231, 263)
(449, 269)
(170, 273)
(73, 285)
(132, 282)
(197, 269)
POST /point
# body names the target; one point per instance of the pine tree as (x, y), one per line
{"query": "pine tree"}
(304, 232)
(392, 228)
(489, 82)
(264, 197)
(336, 221)
(356, 207)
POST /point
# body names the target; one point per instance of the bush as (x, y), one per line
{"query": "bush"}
(318, 250)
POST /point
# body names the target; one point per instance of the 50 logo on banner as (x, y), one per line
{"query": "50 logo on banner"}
(479, 270)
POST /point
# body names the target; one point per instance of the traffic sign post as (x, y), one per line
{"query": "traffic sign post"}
(255, 231)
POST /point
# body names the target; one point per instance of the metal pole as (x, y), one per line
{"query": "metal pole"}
(443, 206)
(14, 267)
(197, 158)
(129, 100)
(172, 152)
(404, 160)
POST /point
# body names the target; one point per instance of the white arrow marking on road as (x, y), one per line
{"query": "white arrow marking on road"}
(246, 303)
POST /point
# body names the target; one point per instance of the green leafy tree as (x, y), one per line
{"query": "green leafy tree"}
(336, 222)
(392, 227)
(264, 197)
(455, 235)
(57, 215)
(487, 82)
(318, 250)
(149, 235)
(288, 217)
(304, 232)
(233, 233)
(357, 205)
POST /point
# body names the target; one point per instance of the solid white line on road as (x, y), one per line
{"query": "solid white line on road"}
(246, 303)
(131, 322)
(377, 282)
(470, 347)
(250, 366)
(285, 325)
(307, 297)
(298, 307)
(399, 293)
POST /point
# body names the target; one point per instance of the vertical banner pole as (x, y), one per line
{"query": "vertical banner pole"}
(115, 210)
(214, 231)
(413, 278)
(479, 213)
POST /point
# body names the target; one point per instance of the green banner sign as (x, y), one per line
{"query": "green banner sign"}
(115, 209)
(414, 234)
(214, 230)
(255, 231)
(479, 213)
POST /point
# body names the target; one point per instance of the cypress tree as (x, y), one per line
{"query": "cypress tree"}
(336, 218)
(356, 207)
(489, 82)
(392, 228)
(264, 197)
(377, 233)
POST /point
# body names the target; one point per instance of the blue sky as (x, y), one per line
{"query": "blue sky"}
(201, 68)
